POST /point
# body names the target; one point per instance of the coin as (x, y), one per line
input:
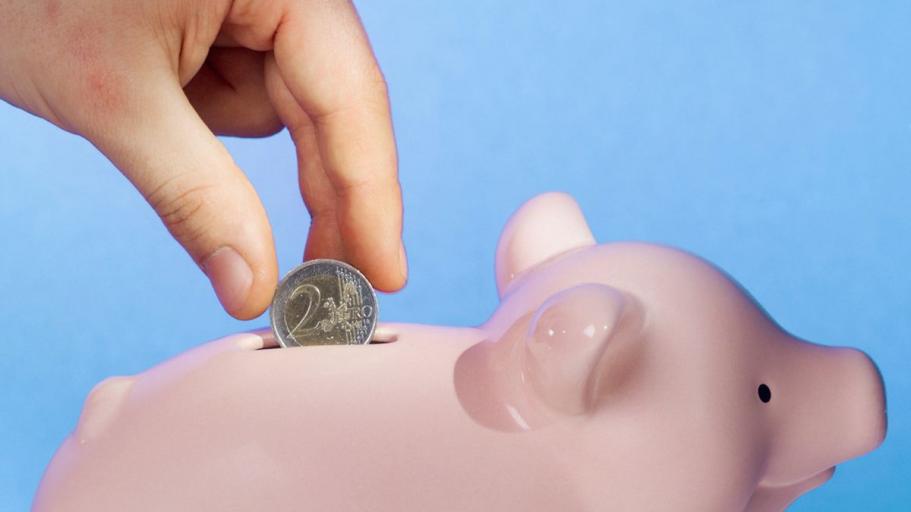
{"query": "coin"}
(324, 302)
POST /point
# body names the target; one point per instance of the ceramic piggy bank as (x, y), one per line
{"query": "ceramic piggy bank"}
(615, 377)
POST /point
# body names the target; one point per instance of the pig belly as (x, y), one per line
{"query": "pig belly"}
(380, 428)
(375, 427)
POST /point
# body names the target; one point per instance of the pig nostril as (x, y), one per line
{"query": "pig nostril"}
(765, 394)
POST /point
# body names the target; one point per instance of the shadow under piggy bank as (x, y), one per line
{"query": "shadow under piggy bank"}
(622, 376)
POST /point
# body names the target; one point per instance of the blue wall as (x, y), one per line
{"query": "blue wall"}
(773, 138)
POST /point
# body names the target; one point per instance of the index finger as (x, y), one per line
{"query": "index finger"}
(325, 59)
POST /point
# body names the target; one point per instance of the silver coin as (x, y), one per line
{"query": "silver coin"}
(324, 302)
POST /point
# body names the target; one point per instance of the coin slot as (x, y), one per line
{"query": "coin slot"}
(381, 335)
(265, 340)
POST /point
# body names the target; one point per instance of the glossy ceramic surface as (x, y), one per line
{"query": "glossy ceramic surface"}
(621, 376)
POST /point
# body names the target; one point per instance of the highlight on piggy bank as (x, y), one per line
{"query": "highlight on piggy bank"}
(617, 376)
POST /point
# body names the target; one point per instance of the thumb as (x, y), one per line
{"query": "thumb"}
(162, 146)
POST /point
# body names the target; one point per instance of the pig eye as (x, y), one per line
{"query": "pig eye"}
(765, 394)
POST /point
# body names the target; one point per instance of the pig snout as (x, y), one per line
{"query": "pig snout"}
(831, 408)
(859, 404)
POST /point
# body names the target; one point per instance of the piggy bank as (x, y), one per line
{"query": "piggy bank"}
(614, 377)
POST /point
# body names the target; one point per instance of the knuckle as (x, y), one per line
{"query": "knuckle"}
(374, 90)
(366, 90)
(322, 212)
(351, 187)
(365, 185)
(376, 82)
(182, 203)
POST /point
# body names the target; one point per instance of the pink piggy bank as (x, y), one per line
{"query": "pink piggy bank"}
(620, 377)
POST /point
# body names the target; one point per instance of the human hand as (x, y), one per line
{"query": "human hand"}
(149, 81)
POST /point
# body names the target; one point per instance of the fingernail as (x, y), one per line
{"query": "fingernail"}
(231, 277)
(403, 261)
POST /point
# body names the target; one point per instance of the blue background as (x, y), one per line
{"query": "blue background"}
(773, 138)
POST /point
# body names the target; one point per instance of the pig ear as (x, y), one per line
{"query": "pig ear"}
(102, 407)
(542, 228)
(579, 339)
